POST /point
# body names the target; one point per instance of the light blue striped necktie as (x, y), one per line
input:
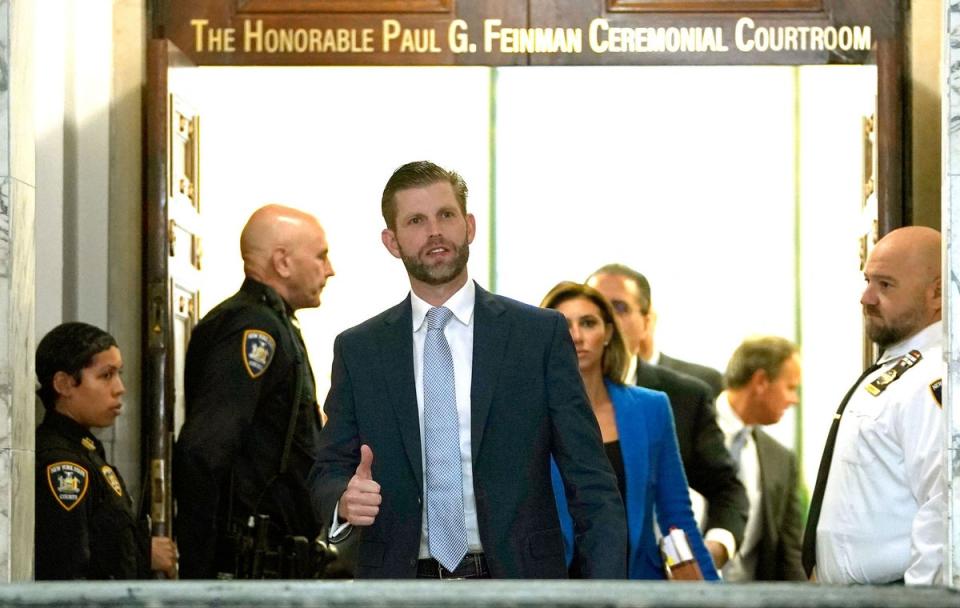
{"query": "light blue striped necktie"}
(446, 528)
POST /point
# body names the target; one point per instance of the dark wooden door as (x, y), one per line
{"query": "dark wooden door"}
(172, 264)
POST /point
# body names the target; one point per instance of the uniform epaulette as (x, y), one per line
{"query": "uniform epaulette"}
(881, 382)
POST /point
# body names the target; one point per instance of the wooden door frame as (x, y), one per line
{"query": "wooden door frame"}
(158, 381)
(170, 18)
(887, 18)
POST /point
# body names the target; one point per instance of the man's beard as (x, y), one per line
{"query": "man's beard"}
(437, 274)
(897, 329)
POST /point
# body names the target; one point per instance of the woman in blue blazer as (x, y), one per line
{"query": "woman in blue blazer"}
(638, 435)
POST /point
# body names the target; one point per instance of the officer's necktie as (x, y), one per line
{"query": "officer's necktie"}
(446, 528)
(816, 502)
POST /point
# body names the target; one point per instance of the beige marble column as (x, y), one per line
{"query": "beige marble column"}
(951, 230)
(17, 272)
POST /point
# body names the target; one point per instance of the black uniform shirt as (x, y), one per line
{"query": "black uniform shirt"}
(86, 526)
(240, 380)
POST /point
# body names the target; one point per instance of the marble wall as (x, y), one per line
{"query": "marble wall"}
(951, 227)
(17, 272)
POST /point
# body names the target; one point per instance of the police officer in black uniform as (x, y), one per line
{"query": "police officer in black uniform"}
(86, 526)
(252, 422)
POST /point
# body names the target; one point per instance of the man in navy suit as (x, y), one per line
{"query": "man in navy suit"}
(510, 375)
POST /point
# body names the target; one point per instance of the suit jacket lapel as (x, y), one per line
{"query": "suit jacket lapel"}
(768, 530)
(635, 449)
(396, 358)
(490, 332)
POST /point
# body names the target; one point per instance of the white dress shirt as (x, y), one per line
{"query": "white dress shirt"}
(459, 334)
(884, 507)
(742, 566)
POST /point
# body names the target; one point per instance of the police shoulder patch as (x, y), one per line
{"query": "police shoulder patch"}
(258, 350)
(936, 389)
(112, 479)
(68, 481)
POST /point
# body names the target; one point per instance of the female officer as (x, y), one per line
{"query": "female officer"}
(86, 525)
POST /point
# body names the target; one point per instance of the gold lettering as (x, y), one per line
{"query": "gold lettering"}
(253, 38)
(490, 32)
(198, 26)
(742, 43)
(391, 31)
(596, 44)
(457, 38)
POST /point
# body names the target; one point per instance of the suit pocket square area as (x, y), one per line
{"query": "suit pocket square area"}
(545, 543)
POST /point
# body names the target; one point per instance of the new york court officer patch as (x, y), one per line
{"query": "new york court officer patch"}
(258, 349)
(68, 481)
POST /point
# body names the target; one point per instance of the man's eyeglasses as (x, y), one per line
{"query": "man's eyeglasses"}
(623, 308)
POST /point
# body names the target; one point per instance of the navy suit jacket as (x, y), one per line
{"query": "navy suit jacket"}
(655, 482)
(527, 404)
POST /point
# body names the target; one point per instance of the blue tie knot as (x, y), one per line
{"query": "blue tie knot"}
(437, 317)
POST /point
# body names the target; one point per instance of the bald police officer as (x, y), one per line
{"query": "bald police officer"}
(878, 512)
(252, 422)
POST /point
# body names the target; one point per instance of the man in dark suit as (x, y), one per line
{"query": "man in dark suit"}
(647, 348)
(763, 377)
(712, 377)
(443, 414)
(707, 463)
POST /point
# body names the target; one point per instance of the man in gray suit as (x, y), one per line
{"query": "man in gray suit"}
(763, 377)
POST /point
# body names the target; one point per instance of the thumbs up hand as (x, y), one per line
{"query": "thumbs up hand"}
(360, 502)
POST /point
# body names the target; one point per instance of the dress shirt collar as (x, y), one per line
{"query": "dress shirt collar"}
(632, 370)
(460, 304)
(727, 419)
(925, 338)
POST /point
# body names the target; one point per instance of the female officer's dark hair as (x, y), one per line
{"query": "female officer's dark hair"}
(67, 348)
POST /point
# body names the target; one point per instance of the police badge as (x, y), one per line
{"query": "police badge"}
(68, 482)
(258, 349)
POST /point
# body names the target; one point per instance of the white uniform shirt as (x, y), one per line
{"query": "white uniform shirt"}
(742, 566)
(884, 507)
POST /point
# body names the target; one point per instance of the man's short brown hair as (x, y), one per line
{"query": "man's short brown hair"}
(768, 353)
(418, 174)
